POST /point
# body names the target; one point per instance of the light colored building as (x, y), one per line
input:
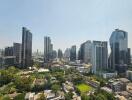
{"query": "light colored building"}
(109, 75)
(67, 54)
(118, 97)
(49, 94)
(129, 88)
(84, 69)
(17, 52)
(29, 96)
(124, 82)
(43, 70)
(99, 57)
(88, 52)
(106, 89)
(129, 75)
(68, 86)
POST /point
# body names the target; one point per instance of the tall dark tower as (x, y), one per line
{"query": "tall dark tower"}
(119, 49)
(73, 53)
(48, 48)
(26, 48)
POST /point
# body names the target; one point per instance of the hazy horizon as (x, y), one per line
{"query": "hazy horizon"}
(67, 22)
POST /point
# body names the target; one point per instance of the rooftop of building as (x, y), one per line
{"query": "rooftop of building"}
(29, 95)
(129, 84)
(125, 80)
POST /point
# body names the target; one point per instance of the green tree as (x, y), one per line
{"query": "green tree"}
(20, 97)
(5, 77)
(23, 83)
(6, 98)
(68, 96)
(55, 88)
(13, 70)
(101, 97)
(84, 97)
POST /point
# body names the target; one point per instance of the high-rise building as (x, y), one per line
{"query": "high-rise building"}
(73, 53)
(9, 58)
(48, 49)
(81, 53)
(129, 57)
(119, 49)
(60, 54)
(8, 51)
(99, 56)
(17, 52)
(26, 48)
(54, 54)
(87, 52)
(67, 54)
(1, 52)
(1, 58)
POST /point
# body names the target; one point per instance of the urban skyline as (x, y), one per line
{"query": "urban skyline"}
(65, 50)
(56, 20)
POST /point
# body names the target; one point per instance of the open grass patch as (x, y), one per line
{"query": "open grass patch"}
(84, 88)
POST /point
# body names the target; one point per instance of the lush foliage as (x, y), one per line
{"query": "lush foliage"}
(8, 75)
(100, 95)
(55, 88)
(68, 96)
(20, 97)
(84, 88)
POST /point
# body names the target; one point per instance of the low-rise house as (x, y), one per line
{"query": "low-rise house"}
(109, 75)
(49, 94)
(116, 86)
(75, 96)
(29, 96)
(125, 94)
(68, 86)
(124, 82)
(43, 70)
(106, 89)
(118, 97)
(93, 83)
(37, 96)
(129, 88)
(129, 74)
(84, 69)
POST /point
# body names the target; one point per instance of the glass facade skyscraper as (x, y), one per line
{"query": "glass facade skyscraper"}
(81, 53)
(73, 53)
(48, 49)
(119, 49)
(26, 48)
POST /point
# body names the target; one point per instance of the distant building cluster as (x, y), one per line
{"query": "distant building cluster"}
(94, 53)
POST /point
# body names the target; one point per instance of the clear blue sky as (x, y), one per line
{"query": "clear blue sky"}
(67, 22)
